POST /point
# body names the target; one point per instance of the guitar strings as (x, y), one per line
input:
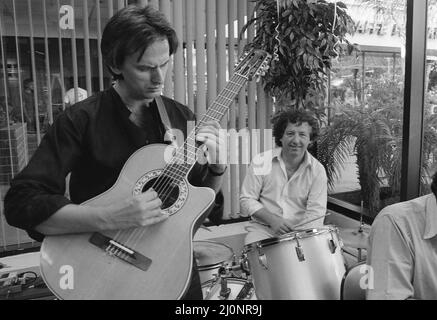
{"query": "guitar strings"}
(165, 185)
(161, 189)
(206, 115)
(222, 109)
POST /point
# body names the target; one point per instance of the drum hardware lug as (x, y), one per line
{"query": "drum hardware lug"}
(223, 270)
(244, 263)
(340, 241)
(299, 251)
(331, 243)
(262, 258)
(263, 261)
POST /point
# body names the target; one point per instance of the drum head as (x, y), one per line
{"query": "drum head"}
(269, 242)
(210, 254)
(298, 234)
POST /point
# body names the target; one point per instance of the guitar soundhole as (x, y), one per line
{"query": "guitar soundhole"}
(167, 188)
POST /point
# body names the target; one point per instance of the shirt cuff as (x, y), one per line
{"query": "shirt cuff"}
(249, 207)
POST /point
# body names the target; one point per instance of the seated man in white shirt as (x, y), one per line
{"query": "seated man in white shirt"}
(402, 252)
(285, 187)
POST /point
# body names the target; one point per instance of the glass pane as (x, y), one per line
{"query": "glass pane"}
(363, 139)
(429, 145)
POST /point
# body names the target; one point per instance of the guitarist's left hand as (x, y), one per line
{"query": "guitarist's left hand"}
(213, 137)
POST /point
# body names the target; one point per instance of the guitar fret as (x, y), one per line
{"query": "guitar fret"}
(232, 82)
(221, 105)
(229, 99)
(217, 112)
(232, 92)
(185, 153)
(185, 159)
(210, 117)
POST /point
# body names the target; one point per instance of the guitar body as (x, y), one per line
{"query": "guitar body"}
(77, 266)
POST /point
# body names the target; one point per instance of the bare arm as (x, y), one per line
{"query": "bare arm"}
(278, 224)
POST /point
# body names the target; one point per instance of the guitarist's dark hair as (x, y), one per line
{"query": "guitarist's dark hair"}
(131, 30)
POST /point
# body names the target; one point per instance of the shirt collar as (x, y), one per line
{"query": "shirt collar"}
(276, 152)
(430, 217)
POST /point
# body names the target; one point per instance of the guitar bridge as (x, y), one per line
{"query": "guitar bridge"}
(120, 251)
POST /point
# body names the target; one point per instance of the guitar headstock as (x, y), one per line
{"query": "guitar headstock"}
(253, 63)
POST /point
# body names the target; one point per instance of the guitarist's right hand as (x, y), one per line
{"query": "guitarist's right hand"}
(139, 211)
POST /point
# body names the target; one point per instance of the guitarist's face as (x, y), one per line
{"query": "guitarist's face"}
(143, 76)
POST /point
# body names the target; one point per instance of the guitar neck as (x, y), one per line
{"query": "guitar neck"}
(223, 101)
(186, 155)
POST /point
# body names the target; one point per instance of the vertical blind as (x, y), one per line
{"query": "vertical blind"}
(56, 44)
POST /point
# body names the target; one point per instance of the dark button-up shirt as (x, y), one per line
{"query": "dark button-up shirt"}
(91, 140)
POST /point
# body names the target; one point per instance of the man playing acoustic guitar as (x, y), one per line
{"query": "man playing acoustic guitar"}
(93, 139)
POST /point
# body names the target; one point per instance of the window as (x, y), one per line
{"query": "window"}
(362, 142)
(429, 143)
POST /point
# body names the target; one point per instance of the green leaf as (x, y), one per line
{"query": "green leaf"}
(286, 13)
(287, 31)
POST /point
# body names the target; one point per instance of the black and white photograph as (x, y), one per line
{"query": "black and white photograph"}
(199, 152)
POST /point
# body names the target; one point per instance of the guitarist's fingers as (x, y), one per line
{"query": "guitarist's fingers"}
(148, 195)
(153, 220)
(211, 123)
(154, 204)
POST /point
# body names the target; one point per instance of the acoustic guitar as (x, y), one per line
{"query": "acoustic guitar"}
(152, 262)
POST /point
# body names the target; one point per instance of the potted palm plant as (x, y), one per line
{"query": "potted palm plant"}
(372, 131)
(303, 35)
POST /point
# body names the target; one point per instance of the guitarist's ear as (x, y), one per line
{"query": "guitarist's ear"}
(115, 70)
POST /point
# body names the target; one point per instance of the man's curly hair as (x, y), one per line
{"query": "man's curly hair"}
(282, 118)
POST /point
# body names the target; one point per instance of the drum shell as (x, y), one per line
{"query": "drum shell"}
(318, 277)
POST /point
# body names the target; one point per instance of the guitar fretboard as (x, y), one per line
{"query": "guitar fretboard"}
(187, 154)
